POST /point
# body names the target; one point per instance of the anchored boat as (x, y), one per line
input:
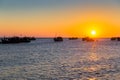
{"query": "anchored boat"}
(58, 39)
(8, 40)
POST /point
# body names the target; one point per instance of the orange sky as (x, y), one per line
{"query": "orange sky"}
(67, 22)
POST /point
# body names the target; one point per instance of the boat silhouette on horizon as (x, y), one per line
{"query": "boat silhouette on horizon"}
(12, 40)
(115, 39)
(73, 38)
(88, 39)
(58, 39)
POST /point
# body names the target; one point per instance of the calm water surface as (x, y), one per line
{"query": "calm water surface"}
(45, 59)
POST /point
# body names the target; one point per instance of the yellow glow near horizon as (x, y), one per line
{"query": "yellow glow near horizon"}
(63, 22)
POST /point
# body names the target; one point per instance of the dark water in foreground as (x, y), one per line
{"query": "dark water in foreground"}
(44, 59)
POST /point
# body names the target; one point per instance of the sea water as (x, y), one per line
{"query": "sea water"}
(45, 59)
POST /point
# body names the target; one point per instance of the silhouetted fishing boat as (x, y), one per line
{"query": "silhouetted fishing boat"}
(118, 38)
(115, 39)
(15, 40)
(88, 39)
(73, 38)
(58, 39)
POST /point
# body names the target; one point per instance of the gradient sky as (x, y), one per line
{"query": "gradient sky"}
(49, 18)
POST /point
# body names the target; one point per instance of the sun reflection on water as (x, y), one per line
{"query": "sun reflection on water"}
(93, 57)
(92, 68)
(92, 79)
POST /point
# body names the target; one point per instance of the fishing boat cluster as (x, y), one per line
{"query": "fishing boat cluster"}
(8, 40)
(115, 39)
(87, 39)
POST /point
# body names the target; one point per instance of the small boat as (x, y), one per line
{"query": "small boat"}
(73, 38)
(58, 39)
(118, 38)
(115, 39)
(88, 39)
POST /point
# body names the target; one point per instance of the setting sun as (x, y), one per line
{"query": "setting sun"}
(93, 32)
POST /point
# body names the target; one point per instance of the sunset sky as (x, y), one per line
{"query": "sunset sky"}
(49, 18)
